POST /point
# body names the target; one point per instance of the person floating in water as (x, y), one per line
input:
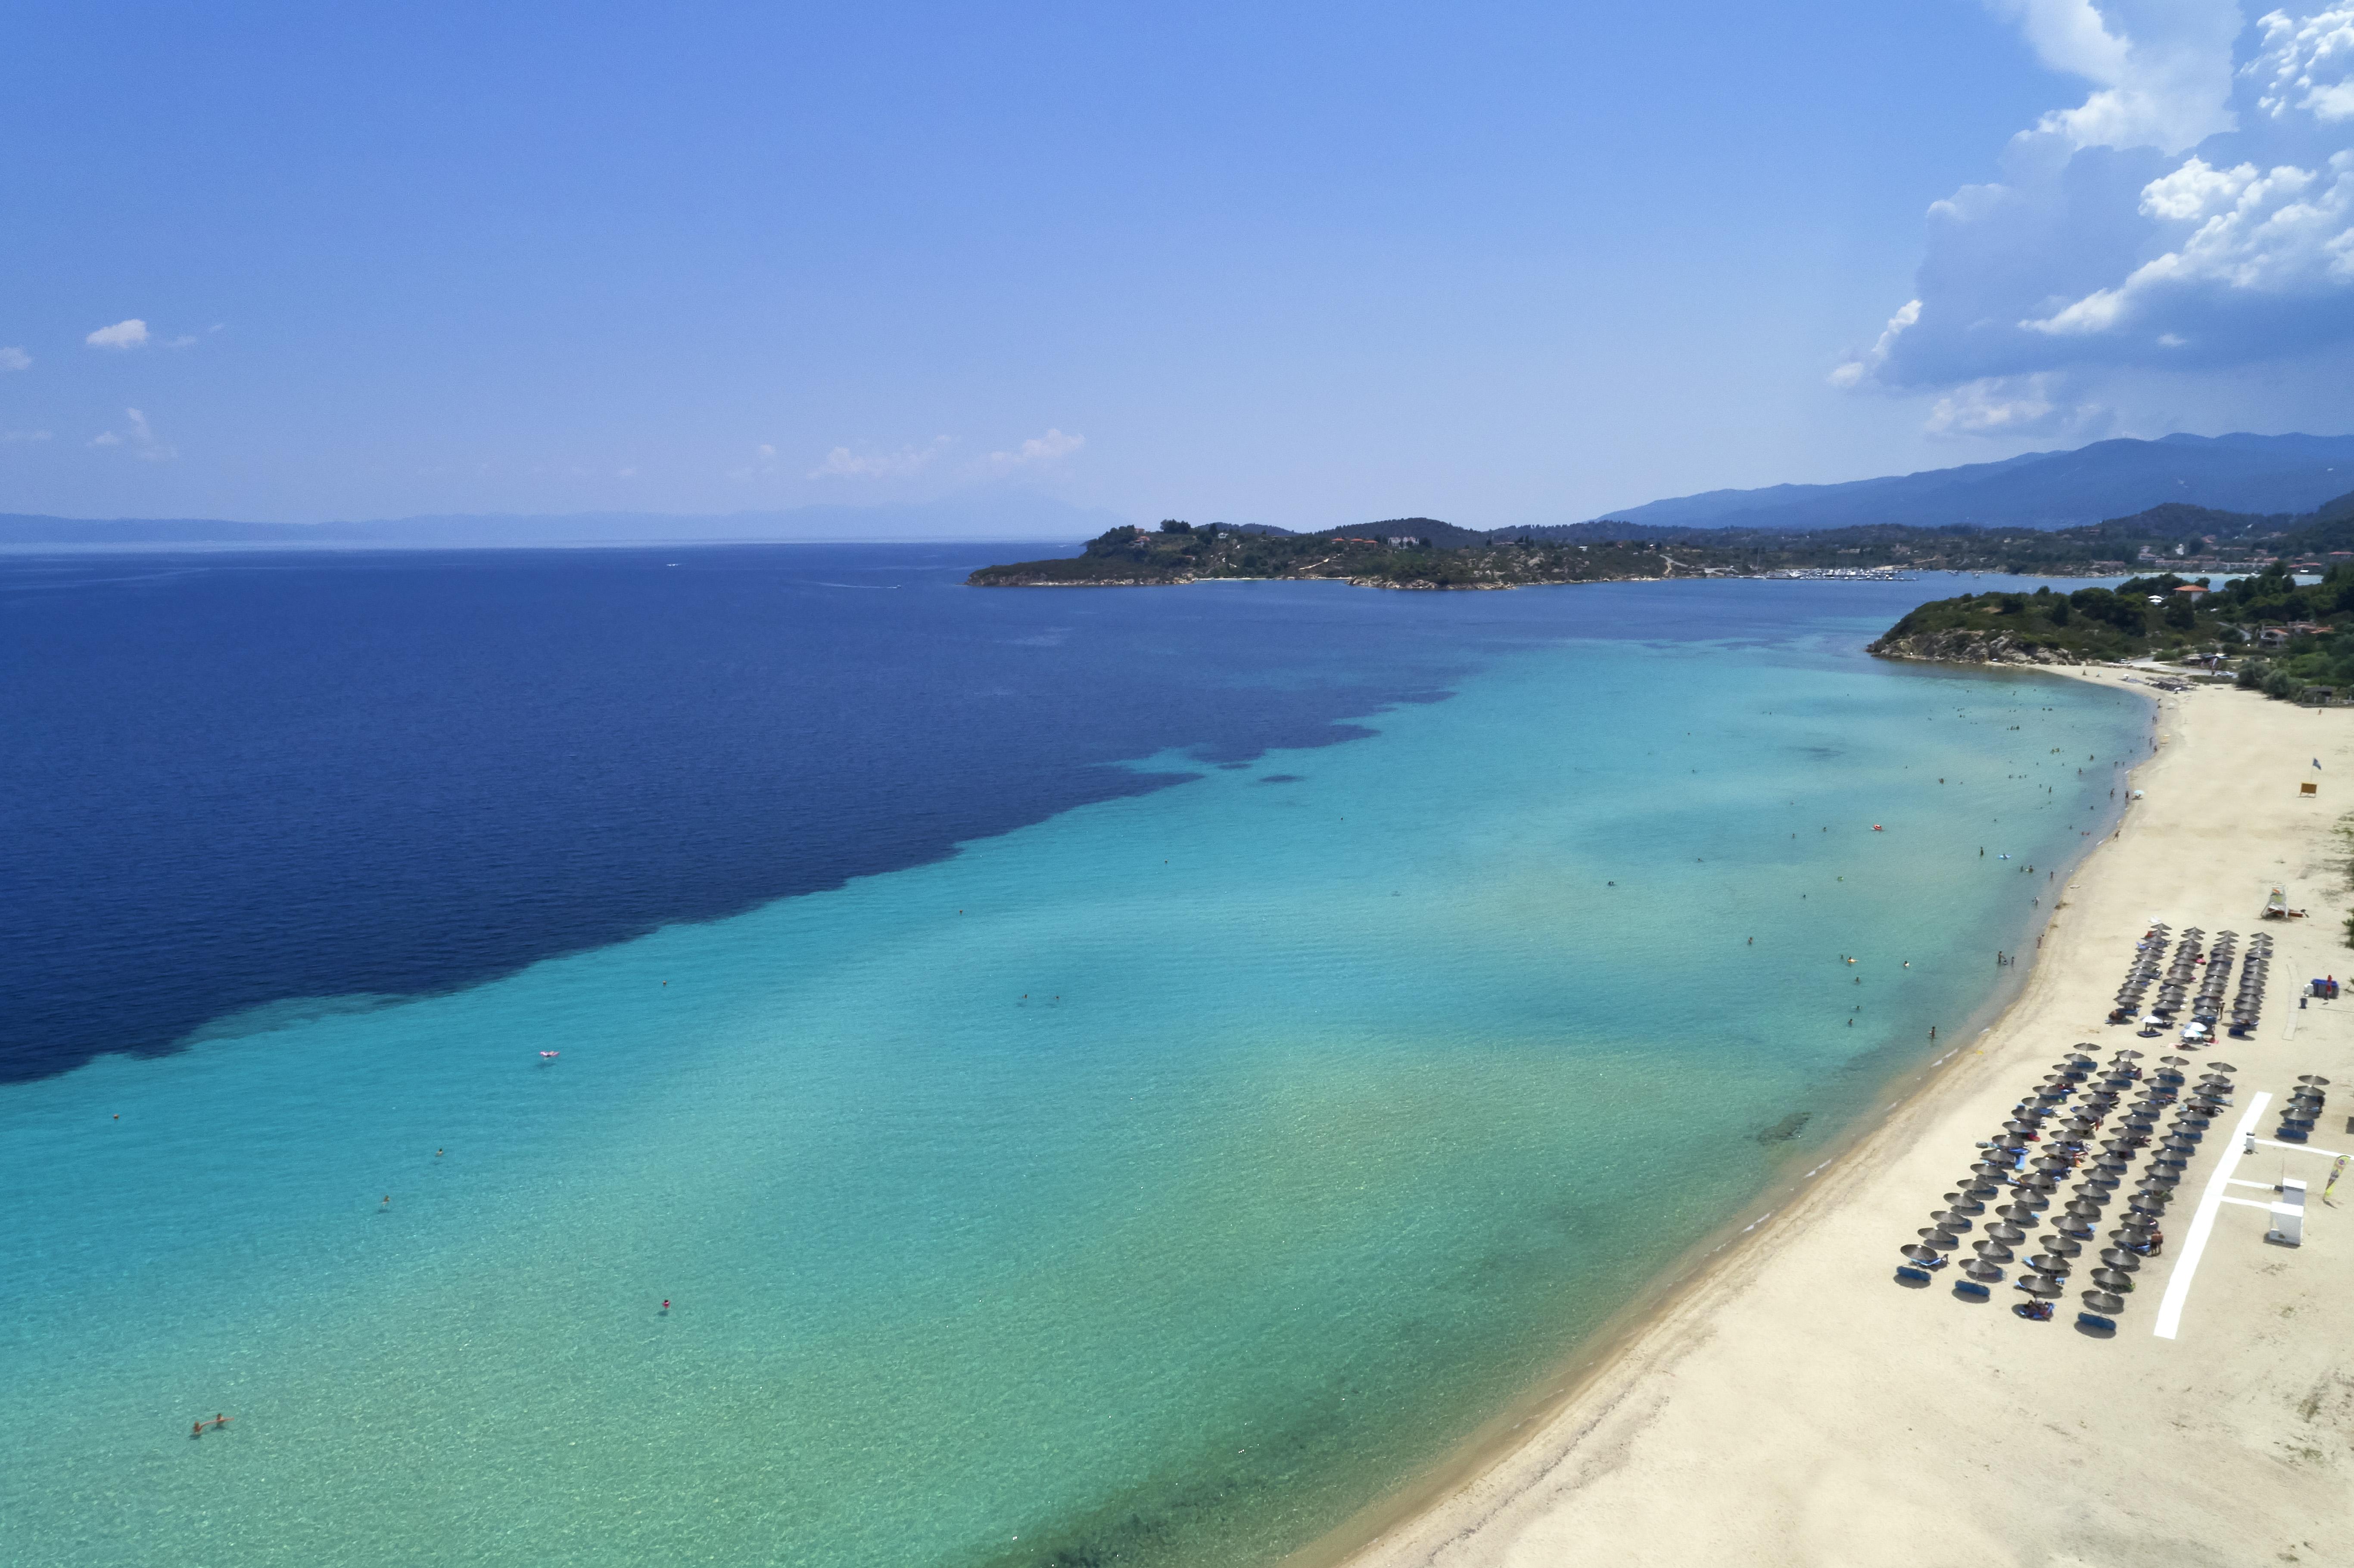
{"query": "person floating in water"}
(665, 1304)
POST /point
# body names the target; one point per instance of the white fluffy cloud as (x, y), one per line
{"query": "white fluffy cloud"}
(2038, 404)
(131, 334)
(2162, 68)
(905, 463)
(140, 438)
(1856, 371)
(1036, 451)
(2307, 64)
(2188, 213)
(14, 359)
(2286, 233)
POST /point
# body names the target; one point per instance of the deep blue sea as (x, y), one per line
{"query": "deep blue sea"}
(1099, 1076)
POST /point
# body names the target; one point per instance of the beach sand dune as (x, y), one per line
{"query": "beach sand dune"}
(1795, 1404)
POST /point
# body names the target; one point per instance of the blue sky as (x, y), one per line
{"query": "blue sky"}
(1292, 263)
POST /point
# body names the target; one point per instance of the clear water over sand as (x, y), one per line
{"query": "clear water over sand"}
(1156, 1184)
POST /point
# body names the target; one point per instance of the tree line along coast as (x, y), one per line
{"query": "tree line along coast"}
(1424, 553)
(2265, 631)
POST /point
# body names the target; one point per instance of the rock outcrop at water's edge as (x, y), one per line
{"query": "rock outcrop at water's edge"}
(1961, 646)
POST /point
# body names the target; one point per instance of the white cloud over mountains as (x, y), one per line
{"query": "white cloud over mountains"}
(2195, 211)
(905, 463)
(1037, 450)
(1036, 454)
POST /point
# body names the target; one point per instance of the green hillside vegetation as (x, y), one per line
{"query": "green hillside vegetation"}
(2092, 623)
(1179, 553)
(2097, 624)
(1435, 555)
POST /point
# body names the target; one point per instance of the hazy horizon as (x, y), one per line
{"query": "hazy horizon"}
(1308, 268)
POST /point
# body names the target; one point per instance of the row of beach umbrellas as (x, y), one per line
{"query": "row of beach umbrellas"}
(2302, 1108)
(2149, 956)
(2025, 1192)
(2208, 1005)
(2175, 989)
(2248, 1005)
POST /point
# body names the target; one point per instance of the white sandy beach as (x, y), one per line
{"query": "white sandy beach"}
(1797, 1405)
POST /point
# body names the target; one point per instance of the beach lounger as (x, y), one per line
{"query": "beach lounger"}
(1970, 1287)
(2094, 1320)
(1918, 1276)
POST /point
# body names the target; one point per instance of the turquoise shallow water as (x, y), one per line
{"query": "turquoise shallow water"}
(1158, 1183)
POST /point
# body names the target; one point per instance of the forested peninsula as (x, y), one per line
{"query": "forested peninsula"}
(1424, 553)
(2268, 631)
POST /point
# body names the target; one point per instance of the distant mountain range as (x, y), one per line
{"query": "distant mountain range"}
(2042, 490)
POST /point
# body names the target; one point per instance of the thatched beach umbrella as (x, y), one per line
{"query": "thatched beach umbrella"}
(1982, 1270)
(2315, 1079)
(2118, 1257)
(2005, 1234)
(2049, 1263)
(2075, 1228)
(2113, 1278)
(1943, 1241)
(2104, 1303)
(1992, 1252)
(1947, 1220)
(2039, 1286)
(1920, 1253)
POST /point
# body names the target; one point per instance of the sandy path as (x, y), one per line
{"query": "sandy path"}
(1798, 1406)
